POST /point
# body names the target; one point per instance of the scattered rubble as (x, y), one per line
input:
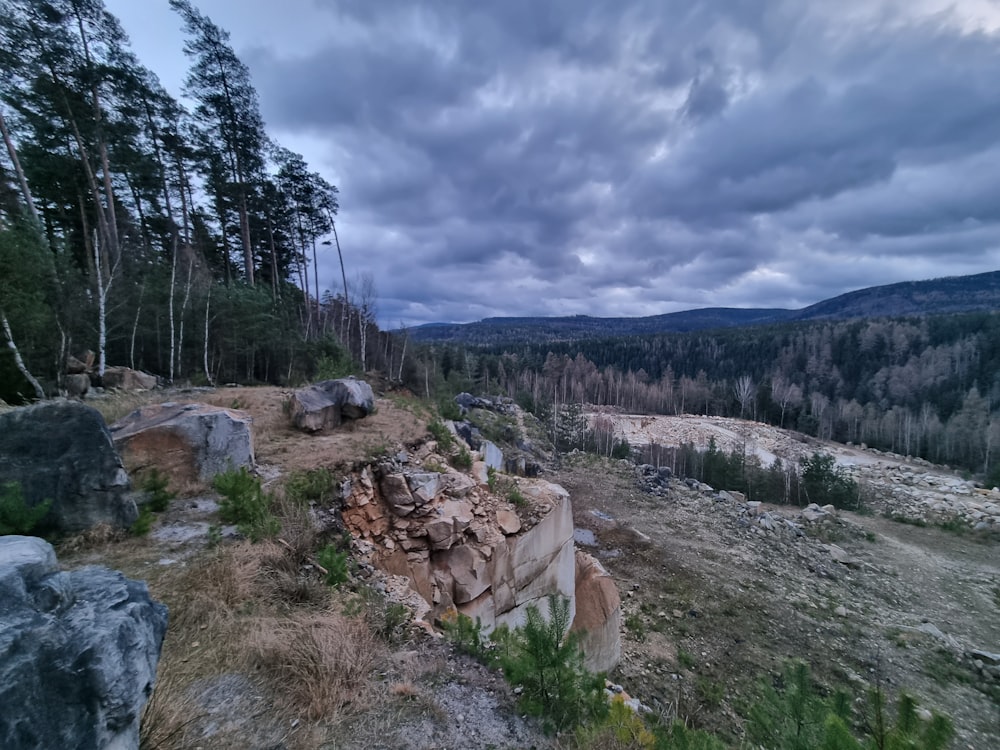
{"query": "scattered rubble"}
(905, 488)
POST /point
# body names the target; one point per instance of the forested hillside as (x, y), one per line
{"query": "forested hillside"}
(180, 241)
(933, 296)
(922, 386)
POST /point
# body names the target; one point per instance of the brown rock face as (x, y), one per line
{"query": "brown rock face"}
(465, 548)
(396, 493)
(598, 614)
(128, 379)
(508, 522)
(189, 442)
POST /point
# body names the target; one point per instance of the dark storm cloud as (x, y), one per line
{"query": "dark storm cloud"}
(503, 158)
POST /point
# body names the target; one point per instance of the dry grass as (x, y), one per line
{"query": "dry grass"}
(297, 528)
(93, 539)
(168, 714)
(119, 404)
(214, 590)
(283, 584)
(406, 690)
(320, 663)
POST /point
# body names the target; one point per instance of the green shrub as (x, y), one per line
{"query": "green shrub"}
(335, 563)
(636, 627)
(492, 480)
(155, 484)
(685, 659)
(710, 691)
(448, 409)
(214, 536)
(309, 486)
(245, 503)
(824, 483)
(334, 364)
(16, 516)
(541, 657)
(677, 736)
(466, 635)
(908, 732)
(621, 449)
(142, 525)
(385, 618)
(792, 717)
(462, 459)
(440, 432)
(796, 717)
(546, 661)
(621, 728)
(516, 497)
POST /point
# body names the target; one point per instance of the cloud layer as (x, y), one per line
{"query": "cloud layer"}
(519, 157)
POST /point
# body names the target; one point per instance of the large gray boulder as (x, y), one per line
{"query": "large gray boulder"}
(62, 451)
(189, 442)
(78, 652)
(327, 404)
(127, 379)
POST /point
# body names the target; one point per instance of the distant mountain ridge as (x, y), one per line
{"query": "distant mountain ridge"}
(951, 294)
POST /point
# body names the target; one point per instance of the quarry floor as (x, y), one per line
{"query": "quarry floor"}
(712, 607)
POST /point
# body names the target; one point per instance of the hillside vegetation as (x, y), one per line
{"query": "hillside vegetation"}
(932, 297)
(926, 386)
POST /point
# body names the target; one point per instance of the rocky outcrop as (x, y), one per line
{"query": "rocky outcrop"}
(529, 566)
(912, 490)
(492, 455)
(127, 379)
(902, 487)
(77, 385)
(460, 545)
(78, 652)
(189, 442)
(325, 405)
(62, 451)
(598, 615)
(500, 404)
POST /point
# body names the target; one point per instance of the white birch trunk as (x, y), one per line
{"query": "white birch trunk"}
(180, 333)
(173, 281)
(208, 373)
(102, 298)
(402, 358)
(21, 367)
(135, 328)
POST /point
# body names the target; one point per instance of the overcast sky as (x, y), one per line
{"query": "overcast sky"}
(628, 157)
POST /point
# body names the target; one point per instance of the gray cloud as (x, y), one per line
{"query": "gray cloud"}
(590, 156)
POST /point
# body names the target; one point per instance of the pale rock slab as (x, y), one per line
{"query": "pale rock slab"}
(598, 615)
(189, 442)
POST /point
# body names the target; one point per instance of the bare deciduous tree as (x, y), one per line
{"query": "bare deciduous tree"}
(744, 390)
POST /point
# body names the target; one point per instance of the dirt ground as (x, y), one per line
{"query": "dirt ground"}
(711, 606)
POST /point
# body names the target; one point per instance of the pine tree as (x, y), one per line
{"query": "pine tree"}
(228, 113)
